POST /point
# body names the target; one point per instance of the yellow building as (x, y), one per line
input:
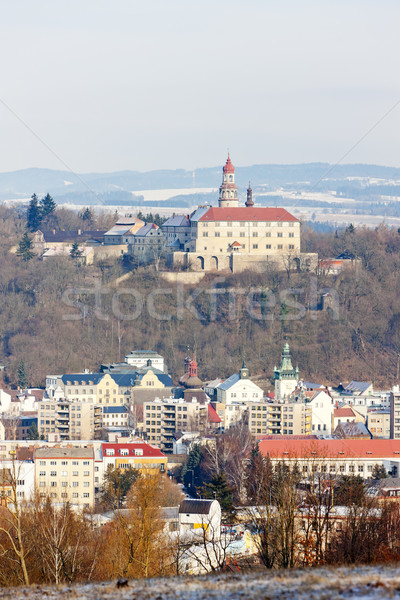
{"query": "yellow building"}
(137, 455)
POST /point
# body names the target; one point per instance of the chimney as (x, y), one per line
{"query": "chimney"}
(79, 231)
(54, 232)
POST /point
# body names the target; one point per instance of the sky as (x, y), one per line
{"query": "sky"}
(111, 85)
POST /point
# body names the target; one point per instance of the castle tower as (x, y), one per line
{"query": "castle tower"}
(228, 192)
(249, 202)
(286, 377)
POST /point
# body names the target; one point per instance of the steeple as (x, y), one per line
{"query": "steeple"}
(244, 372)
(228, 192)
(286, 377)
(249, 202)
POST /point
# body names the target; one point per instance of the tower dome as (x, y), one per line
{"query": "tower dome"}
(228, 192)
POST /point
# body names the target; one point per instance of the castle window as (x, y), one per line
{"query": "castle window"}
(255, 246)
(279, 246)
(255, 233)
(268, 246)
(291, 246)
(280, 234)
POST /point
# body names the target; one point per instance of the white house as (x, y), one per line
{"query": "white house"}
(199, 518)
(321, 413)
(239, 388)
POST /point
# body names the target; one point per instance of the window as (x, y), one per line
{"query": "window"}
(291, 234)
(85, 463)
(64, 484)
(75, 473)
(86, 473)
(75, 484)
(53, 473)
(64, 495)
(75, 463)
(64, 463)
(86, 484)
(291, 246)
(255, 246)
(53, 463)
(53, 484)
(42, 463)
(268, 246)
(255, 233)
(75, 495)
(86, 494)
(279, 246)
(42, 484)
(280, 234)
(242, 234)
(205, 233)
(229, 234)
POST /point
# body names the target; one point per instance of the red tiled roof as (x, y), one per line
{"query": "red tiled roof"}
(213, 415)
(247, 214)
(374, 448)
(148, 451)
(345, 411)
(228, 167)
(236, 245)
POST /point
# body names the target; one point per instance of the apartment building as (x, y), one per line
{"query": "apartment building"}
(336, 457)
(136, 455)
(279, 418)
(395, 413)
(69, 420)
(65, 475)
(162, 418)
(378, 422)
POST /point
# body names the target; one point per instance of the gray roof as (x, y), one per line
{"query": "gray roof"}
(64, 453)
(198, 213)
(114, 409)
(177, 221)
(357, 386)
(118, 230)
(228, 383)
(143, 354)
(195, 507)
(147, 229)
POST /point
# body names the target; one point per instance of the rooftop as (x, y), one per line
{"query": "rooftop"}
(247, 214)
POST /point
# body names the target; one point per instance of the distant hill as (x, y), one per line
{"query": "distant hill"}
(114, 187)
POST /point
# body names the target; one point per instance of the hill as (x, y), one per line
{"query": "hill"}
(314, 584)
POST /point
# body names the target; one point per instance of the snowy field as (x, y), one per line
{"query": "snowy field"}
(367, 583)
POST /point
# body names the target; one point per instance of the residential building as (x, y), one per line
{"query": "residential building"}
(65, 475)
(163, 418)
(117, 416)
(176, 231)
(378, 422)
(337, 457)
(69, 419)
(321, 405)
(279, 418)
(286, 377)
(147, 244)
(17, 470)
(345, 414)
(200, 517)
(136, 455)
(44, 240)
(121, 232)
(395, 413)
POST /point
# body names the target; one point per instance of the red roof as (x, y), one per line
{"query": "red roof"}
(247, 214)
(213, 415)
(148, 451)
(236, 245)
(345, 411)
(229, 168)
(374, 448)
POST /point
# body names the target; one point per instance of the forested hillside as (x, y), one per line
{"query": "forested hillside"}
(37, 300)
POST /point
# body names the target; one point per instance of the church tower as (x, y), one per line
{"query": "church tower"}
(228, 192)
(286, 377)
(249, 202)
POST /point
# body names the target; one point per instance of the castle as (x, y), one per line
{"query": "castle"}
(235, 238)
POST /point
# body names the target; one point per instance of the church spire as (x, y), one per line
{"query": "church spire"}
(249, 202)
(228, 192)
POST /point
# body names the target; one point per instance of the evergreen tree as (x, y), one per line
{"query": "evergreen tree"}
(379, 472)
(87, 216)
(117, 483)
(47, 206)
(22, 377)
(33, 432)
(75, 252)
(25, 248)
(34, 214)
(191, 470)
(219, 489)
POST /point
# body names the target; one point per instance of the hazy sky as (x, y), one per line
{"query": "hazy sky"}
(127, 84)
